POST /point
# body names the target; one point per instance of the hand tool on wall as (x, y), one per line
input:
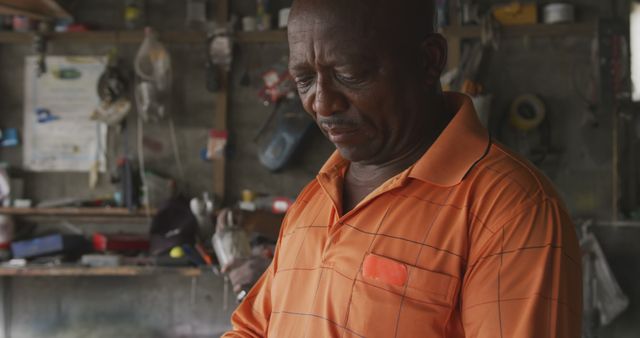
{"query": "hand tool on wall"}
(112, 89)
(279, 143)
(219, 58)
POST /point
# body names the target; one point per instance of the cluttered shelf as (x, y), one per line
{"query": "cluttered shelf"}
(81, 212)
(273, 36)
(104, 37)
(130, 37)
(565, 29)
(92, 215)
(280, 36)
(78, 270)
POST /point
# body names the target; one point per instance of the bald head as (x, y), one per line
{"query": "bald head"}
(368, 72)
(402, 23)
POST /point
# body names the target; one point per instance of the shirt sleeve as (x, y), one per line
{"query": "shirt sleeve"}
(523, 278)
(251, 318)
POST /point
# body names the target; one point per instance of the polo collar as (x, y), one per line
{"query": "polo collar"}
(462, 144)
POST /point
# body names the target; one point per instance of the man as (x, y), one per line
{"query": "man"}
(419, 225)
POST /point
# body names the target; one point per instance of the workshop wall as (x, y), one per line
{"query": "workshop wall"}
(153, 306)
(563, 72)
(560, 64)
(193, 113)
(558, 70)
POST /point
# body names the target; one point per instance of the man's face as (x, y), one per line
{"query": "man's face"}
(361, 93)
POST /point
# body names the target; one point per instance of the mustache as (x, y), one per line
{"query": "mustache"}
(337, 122)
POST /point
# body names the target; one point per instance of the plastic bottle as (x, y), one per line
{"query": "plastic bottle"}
(153, 62)
(134, 14)
(262, 15)
(153, 78)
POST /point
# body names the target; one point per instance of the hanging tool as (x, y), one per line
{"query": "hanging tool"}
(219, 58)
(112, 89)
(291, 123)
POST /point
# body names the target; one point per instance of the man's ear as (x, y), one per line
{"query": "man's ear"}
(434, 57)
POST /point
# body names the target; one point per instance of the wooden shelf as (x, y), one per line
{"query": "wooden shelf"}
(541, 30)
(36, 9)
(280, 36)
(275, 36)
(102, 37)
(69, 212)
(74, 270)
(133, 37)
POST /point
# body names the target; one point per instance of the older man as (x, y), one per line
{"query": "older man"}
(419, 225)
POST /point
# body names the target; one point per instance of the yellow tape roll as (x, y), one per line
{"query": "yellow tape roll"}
(527, 112)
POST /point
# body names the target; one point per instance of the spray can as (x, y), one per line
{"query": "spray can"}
(6, 236)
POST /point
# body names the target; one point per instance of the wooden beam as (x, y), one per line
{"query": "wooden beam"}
(541, 30)
(65, 271)
(105, 37)
(221, 109)
(275, 36)
(88, 212)
(36, 9)
(220, 122)
(16, 38)
(222, 11)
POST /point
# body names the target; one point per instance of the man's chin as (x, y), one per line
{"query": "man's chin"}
(353, 154)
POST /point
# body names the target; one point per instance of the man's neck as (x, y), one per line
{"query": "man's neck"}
(362, 179)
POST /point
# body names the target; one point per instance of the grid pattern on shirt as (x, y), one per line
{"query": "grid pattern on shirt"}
(500, 244)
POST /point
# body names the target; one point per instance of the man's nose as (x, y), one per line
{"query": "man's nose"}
(327, 100)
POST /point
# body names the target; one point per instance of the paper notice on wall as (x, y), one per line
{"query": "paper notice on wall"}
(58, 132)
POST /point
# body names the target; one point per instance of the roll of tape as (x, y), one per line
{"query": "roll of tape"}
(559, 13)
(527, 112)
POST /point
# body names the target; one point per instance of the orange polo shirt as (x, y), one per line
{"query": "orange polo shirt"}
(471, 241)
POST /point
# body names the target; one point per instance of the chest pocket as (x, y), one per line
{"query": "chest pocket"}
(420, 284)
(391, 297)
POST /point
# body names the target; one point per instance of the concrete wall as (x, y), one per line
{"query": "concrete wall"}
(95, 307)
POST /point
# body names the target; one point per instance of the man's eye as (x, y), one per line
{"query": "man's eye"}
(349, 79)
(303, 82)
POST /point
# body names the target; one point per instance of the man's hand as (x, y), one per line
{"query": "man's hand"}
(243, 274)
(246, 273)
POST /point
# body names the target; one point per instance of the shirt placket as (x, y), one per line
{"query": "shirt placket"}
(332, 186)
